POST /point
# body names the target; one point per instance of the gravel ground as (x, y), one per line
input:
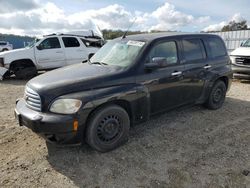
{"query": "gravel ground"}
(188, 147)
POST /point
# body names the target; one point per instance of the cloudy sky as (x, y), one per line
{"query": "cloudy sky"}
(38, 17)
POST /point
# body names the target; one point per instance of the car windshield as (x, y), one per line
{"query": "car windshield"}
(118, 53)
(32, 44)
(246, 44)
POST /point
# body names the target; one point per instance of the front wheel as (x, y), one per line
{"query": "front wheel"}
(217, 96)
(25, 72)
(108, 128)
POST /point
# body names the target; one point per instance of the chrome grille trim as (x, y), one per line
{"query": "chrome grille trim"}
(33, 100)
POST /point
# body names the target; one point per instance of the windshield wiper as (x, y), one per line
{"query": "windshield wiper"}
(98, 63)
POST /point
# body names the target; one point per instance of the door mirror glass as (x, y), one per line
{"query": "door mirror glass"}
(157, 62)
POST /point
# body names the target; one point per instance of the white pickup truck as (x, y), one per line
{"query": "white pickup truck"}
(53, 51)
(5, 46)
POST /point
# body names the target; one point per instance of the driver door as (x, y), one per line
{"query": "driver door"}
(49, 54)
(165, 83)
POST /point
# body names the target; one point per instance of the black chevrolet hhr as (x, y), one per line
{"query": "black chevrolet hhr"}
(124, 83)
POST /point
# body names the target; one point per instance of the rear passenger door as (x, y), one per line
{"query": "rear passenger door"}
(217, 56)
(195, 61)
(74, 50)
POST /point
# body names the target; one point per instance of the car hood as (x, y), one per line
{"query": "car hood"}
(71, 79)
(11, 52)
(242, 51)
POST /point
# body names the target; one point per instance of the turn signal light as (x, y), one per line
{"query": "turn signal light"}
(75, 125)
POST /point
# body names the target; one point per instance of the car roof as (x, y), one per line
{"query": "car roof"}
(148, 37)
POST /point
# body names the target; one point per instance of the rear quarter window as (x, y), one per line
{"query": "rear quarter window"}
(216, 47)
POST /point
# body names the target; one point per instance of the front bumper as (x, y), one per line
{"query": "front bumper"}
(53, 127)
(3, 71)
(241, 72)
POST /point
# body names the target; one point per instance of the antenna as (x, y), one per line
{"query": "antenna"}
(125, 34)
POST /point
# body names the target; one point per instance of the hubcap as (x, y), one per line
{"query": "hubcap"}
(217, 95)
(109, 128)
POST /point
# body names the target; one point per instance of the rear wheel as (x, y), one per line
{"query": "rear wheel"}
(108, 128)
(217, 96)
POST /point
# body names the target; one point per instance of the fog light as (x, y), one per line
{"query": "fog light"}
(75, 125)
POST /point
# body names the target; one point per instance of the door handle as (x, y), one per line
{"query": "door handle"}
(59, 52)
(176, 73)
(207, 67)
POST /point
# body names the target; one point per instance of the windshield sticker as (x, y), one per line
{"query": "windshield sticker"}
(135, 43)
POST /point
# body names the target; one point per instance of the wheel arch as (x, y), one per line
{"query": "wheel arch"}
(225, 79)
(126, 105)
(22, 62)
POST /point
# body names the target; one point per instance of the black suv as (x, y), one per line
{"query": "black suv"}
(124, 83)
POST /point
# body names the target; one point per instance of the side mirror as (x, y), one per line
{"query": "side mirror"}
(39, 47)
(157, 62)
(241, 44)
(90, 55)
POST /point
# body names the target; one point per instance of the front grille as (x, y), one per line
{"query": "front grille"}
(243, 60)
(33, 100)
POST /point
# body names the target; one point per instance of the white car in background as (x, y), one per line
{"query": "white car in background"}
(5, 46)
(51, 52)
(240, 58)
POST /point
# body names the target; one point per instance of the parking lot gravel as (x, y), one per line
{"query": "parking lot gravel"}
(187, 147)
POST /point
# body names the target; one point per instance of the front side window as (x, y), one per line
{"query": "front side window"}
(70, 42)
(50, 43)
(217, 47)
(167, 50)
(193, 49)
(118, 53)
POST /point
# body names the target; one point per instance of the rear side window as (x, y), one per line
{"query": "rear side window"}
(70, 42)
(216, 47)
(193, 49)
(3, 43)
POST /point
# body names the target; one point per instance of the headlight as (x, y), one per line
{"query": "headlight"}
(1, 62)
(232, 59)
(66, 106)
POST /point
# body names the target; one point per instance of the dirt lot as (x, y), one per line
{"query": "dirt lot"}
(188, 147)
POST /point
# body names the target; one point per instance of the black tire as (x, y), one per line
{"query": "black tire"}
(217, 96)
(5, 49)
(25, 72)
(108, 128)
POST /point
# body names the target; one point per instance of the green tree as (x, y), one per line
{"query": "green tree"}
(234, 26)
